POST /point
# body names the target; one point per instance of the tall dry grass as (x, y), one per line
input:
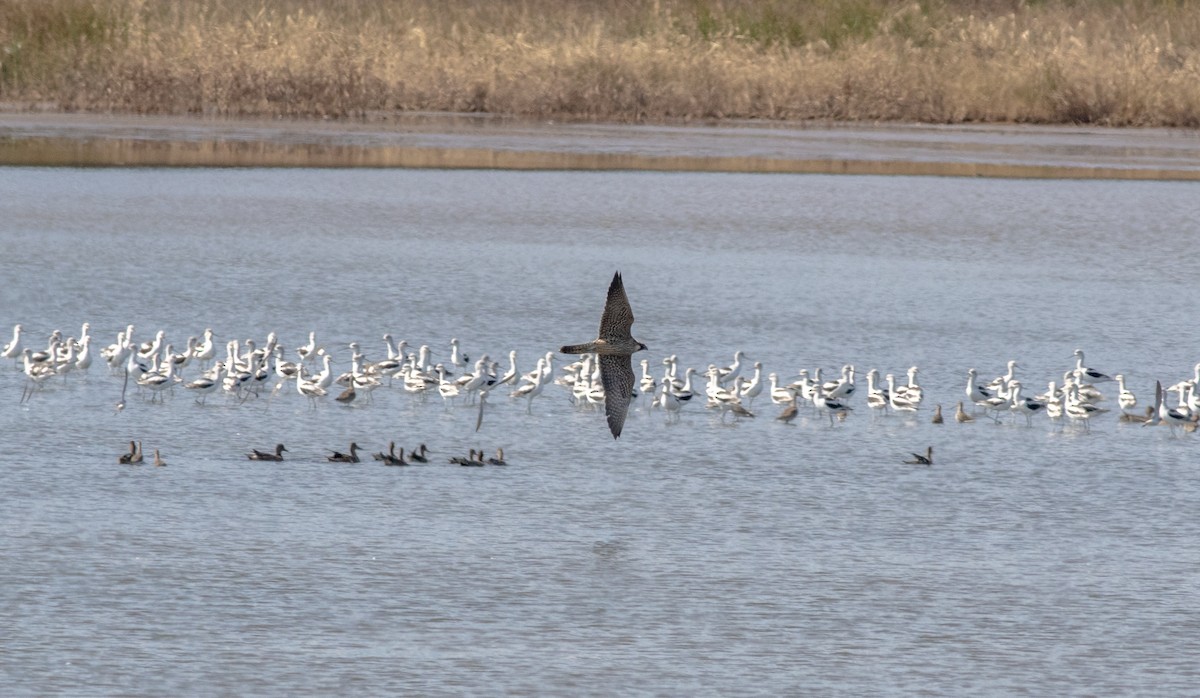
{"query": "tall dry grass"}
(1117, 62)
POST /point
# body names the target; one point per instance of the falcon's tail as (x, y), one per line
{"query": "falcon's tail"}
(577, 349)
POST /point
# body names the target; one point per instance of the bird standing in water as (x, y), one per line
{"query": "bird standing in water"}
(614, 346)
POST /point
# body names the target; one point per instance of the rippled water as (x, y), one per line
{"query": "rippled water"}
(697, 558)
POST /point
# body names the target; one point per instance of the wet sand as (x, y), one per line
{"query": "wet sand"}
(485, 142)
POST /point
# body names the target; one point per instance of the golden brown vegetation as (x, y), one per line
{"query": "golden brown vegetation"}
(1117, 62)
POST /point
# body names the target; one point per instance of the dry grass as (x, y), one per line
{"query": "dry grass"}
(1116, 62)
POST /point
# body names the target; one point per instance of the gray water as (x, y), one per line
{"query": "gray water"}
(696, 558)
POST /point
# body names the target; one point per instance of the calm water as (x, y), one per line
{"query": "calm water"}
(688, 559)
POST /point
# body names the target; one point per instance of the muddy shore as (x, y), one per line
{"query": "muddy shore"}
(482, 142)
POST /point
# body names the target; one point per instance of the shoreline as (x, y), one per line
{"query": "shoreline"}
(465, 141)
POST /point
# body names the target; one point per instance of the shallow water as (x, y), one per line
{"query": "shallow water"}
(694, 558)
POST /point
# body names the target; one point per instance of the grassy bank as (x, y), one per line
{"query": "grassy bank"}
(1116, 62)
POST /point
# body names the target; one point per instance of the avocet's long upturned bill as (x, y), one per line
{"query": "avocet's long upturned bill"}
(614, 346)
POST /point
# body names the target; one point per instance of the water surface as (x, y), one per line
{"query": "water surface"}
(697, 558)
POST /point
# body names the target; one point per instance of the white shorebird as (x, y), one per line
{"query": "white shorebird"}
(895, 401)
(13, 349)
(1083, 374)
(754, 387)
(830, 406)
(779, 395)
(1027, 406)
(842, 388)
(206, 350)
(730, 372)
(911, 391)
(157, 383)
(1079, 410)
(977, 393)
(878, 399)
(1126, 400)
(206, 383)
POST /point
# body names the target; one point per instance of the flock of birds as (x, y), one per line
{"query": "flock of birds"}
(239, 370)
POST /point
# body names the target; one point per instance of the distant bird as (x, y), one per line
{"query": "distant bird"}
(391, 457)
(127, 458)
(1137, 418)
(499, 459)
(470, 460)
(1088, 375)
(961, 416)
(383, 456)
(136, 457)
(256, 454)
(347, 396)
(918, 459)
(158, 459)
(937, 415)
(339, 457)
(614, 346)
(417, 455)
(789, 413)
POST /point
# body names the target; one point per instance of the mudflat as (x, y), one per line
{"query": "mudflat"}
(437, 140)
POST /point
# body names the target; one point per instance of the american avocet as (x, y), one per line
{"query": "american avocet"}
(206, 383)
(457, 360)
(1126, 400)
(780, 395)
(157, 383)
(724, 375)
(530, 390)
(896, 402)
(830, 406)
(669, 401)
(256, 454)
(310, 389)
(647, 384)
(83, 360)
(878, 399)
(1163, 414)
(13, 349)
(1027, 406)
(919, 459)
(510, 376)
(999, 384)
(615, 345)
(842, 388)
(912, 392)
(206, 350)
(308, 351)
(1087, 375)
(977, 393)
(1079, 410)
(754, 387)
